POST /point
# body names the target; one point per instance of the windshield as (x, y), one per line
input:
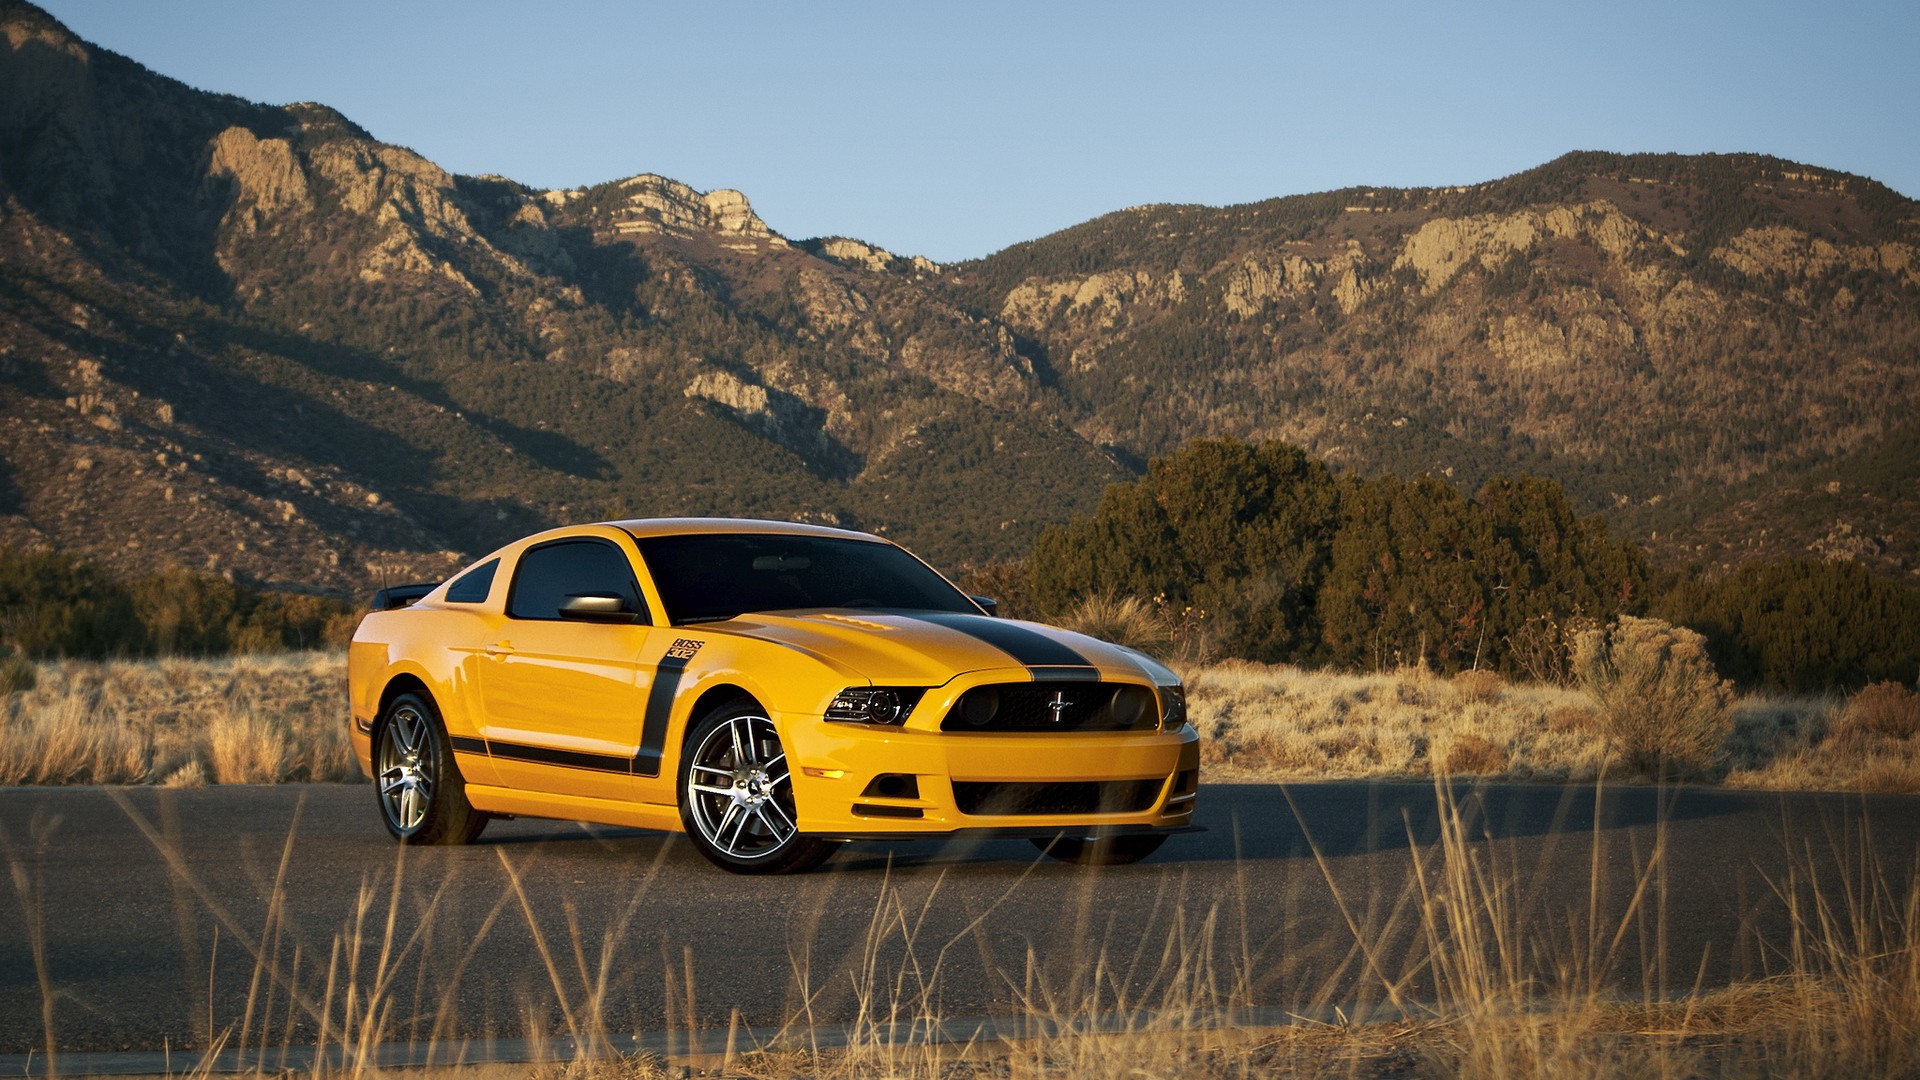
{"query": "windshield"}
(708, 577)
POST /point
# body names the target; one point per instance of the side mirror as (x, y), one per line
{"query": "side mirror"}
(988, 604)
(597, 607)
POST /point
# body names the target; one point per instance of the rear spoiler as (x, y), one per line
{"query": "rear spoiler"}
(399, 596)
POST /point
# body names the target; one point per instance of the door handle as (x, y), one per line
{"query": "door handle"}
(500, 648)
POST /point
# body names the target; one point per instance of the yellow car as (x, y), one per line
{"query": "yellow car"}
(770, 689)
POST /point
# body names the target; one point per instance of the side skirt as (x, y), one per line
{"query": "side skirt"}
(1018, 832)
(499, 800)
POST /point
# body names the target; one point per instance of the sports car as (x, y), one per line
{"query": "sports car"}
(770, 689)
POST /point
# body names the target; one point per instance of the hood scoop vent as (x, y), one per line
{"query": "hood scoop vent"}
(849, 620)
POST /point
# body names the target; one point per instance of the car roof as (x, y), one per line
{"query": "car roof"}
(644, 527)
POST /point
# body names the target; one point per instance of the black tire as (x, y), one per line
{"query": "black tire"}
(736, 795)
(1101, 850)
(422, 796)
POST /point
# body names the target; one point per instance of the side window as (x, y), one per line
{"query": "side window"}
(475, 585)
(550, 573)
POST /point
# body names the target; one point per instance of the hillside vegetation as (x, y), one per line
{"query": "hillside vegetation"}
(1260, 552)
(255, 340)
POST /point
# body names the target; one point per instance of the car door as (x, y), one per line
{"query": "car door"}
(563, 696)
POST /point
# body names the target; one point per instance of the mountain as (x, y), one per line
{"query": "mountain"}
(1680, 341)
(257, 339)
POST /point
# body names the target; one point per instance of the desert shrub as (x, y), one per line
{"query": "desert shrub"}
(1660, 702)
(1571, 720)
(1123, 620)
(1885, 709)
(1477, 685)
(1474, 755)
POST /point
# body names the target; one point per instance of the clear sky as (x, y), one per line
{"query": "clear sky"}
(954, 129)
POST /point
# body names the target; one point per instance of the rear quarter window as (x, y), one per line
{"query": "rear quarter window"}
(474, 586)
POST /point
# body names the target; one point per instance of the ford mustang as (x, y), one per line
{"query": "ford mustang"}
(770, 689)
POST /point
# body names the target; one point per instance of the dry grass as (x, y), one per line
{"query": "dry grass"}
(244, 719)
(262, 719)
(1280, 722)
(1260, 721)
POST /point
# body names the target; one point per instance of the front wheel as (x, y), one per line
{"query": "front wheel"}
(736, 795)
(1101, 850)
(423, 799)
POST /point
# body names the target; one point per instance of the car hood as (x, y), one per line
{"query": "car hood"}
(923, 648)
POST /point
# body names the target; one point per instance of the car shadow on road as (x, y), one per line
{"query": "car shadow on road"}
(1243, 821)
(1250, 821)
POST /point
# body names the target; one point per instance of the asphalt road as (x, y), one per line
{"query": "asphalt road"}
(161, 915)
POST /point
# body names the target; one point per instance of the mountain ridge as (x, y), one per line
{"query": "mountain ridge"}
(265, 343)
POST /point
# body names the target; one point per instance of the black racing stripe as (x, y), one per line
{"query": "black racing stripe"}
(653, 730)
(467, 744)
(1065, 674)
(1024, 645)
(570, 759)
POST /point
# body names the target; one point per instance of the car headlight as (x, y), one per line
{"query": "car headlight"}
(874, 704)
(1173, 707)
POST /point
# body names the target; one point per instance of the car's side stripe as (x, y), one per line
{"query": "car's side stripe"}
(653, 729)
(467, 744)
(1048, 658)
(547, 755)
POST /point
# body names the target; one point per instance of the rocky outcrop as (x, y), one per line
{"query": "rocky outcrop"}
(851, 252)
(656, 205)
(1097, 301)
(1443, 247)
(1257, 280)
(1796, 254)
(267, 177)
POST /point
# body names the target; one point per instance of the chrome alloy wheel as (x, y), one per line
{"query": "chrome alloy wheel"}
(739, 790)
(405, 768)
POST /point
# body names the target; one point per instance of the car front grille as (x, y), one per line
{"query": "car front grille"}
(1054, 707)
(975, 797)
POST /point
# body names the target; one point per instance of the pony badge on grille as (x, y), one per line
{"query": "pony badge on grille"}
(1059, 705)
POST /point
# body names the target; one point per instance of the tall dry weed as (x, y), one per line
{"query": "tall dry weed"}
(244, 747)
(1123, 620)
(73, 741)
(17, 673)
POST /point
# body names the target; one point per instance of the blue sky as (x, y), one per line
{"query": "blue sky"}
(953, 130)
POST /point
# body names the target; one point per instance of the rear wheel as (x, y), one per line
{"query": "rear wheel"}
(1101, 850)
(423, 799)
(736, 795)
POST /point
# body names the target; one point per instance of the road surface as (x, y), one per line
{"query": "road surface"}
(165, 917)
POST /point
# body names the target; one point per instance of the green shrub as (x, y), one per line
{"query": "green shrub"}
(53, 605)
(1293, 565)
(1803, 625)
(1661, 704)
